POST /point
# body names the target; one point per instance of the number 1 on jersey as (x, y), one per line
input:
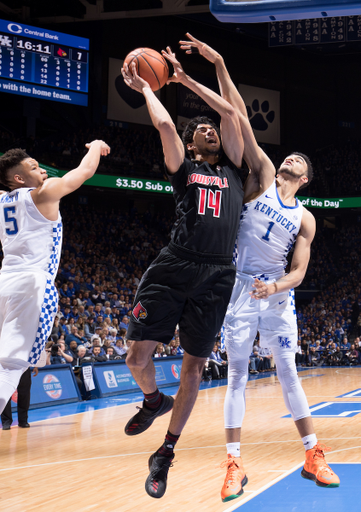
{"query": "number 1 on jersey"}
(266, 236)
(214, 201)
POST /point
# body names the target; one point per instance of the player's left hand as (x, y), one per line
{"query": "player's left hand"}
(179, 73)
(103, 146)
(261, 290)
(204, 49)
(35, 371)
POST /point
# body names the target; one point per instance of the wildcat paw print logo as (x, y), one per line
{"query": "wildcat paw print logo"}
(260, 116)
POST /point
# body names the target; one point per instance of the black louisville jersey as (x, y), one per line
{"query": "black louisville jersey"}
(208, 206)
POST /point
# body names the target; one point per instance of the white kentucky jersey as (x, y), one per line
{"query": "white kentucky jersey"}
(30, 242)
(267, 231)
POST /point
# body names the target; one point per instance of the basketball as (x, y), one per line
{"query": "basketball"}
(150, 65)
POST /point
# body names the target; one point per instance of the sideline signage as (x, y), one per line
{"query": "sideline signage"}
(53, 385)
(330, 203)
(114, 377)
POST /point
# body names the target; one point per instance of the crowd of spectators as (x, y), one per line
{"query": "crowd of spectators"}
(138, 152)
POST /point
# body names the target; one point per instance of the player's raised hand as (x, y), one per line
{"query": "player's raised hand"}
(261, 290)
(132, 79)
(204, 49)
(179, 73)
(104, 148)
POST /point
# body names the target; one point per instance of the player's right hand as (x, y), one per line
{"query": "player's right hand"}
(104, 148)
(132, 79)
(204, 49)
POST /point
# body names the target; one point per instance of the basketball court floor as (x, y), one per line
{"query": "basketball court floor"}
(76, 457)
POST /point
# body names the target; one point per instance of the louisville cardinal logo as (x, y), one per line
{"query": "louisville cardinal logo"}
(139, 312)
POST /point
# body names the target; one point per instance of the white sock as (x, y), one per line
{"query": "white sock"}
(234, 449)
(9, 380)
(309, 441)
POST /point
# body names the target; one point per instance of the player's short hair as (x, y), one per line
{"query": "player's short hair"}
(8, 161)
(188, 133)
(309, 168)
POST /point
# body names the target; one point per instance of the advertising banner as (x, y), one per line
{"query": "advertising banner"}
(164, 187)
(190, 105)
(125, 104)
(53, 385)
(114, 377)
(263, 108)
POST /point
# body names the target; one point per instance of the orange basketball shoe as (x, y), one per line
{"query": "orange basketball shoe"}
(317, 469)
(235, 478)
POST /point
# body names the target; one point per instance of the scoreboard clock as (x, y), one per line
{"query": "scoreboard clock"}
(41, 63)
(256, 11)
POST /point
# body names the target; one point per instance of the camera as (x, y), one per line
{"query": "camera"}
(54, 349)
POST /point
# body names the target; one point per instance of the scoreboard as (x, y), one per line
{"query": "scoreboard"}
(256, 11)
(41, 63)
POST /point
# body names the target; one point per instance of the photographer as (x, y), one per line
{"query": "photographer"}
(59, 355)
(111, 355)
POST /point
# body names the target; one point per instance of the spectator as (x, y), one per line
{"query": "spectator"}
(160, 351)
(352, 356)
(111, 355)
(97, 356)
(314, 358)
(119, 348)
(257, 358)
(217, 364)
(89, 328)
(74, 336)
(56, 330)
(300, 355)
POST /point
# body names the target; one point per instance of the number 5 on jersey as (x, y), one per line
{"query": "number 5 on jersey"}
(8, 210)
(213, 202)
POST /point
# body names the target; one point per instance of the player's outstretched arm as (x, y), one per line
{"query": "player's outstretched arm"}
(299, 264)
(173, 148)
(228, 90)
(232, 140)
(54, 189)
(260, 165)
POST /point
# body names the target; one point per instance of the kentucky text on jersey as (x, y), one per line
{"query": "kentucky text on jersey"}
(275, 215)
(207, 180)
(5, 198)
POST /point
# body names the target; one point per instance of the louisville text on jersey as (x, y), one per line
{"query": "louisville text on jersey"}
(207, 180)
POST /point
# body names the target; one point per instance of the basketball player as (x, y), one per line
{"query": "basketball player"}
(191, 281)
(31, 236)
(272, 221)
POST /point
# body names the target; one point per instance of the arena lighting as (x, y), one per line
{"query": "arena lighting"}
(257, 11)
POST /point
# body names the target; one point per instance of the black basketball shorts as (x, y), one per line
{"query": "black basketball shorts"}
(175, 291)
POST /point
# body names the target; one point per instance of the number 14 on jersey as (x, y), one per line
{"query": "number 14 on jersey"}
(210, 200)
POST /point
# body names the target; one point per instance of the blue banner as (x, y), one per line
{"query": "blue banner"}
(54, 384)
(19, 29)
(114, 377)
(45, 93)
